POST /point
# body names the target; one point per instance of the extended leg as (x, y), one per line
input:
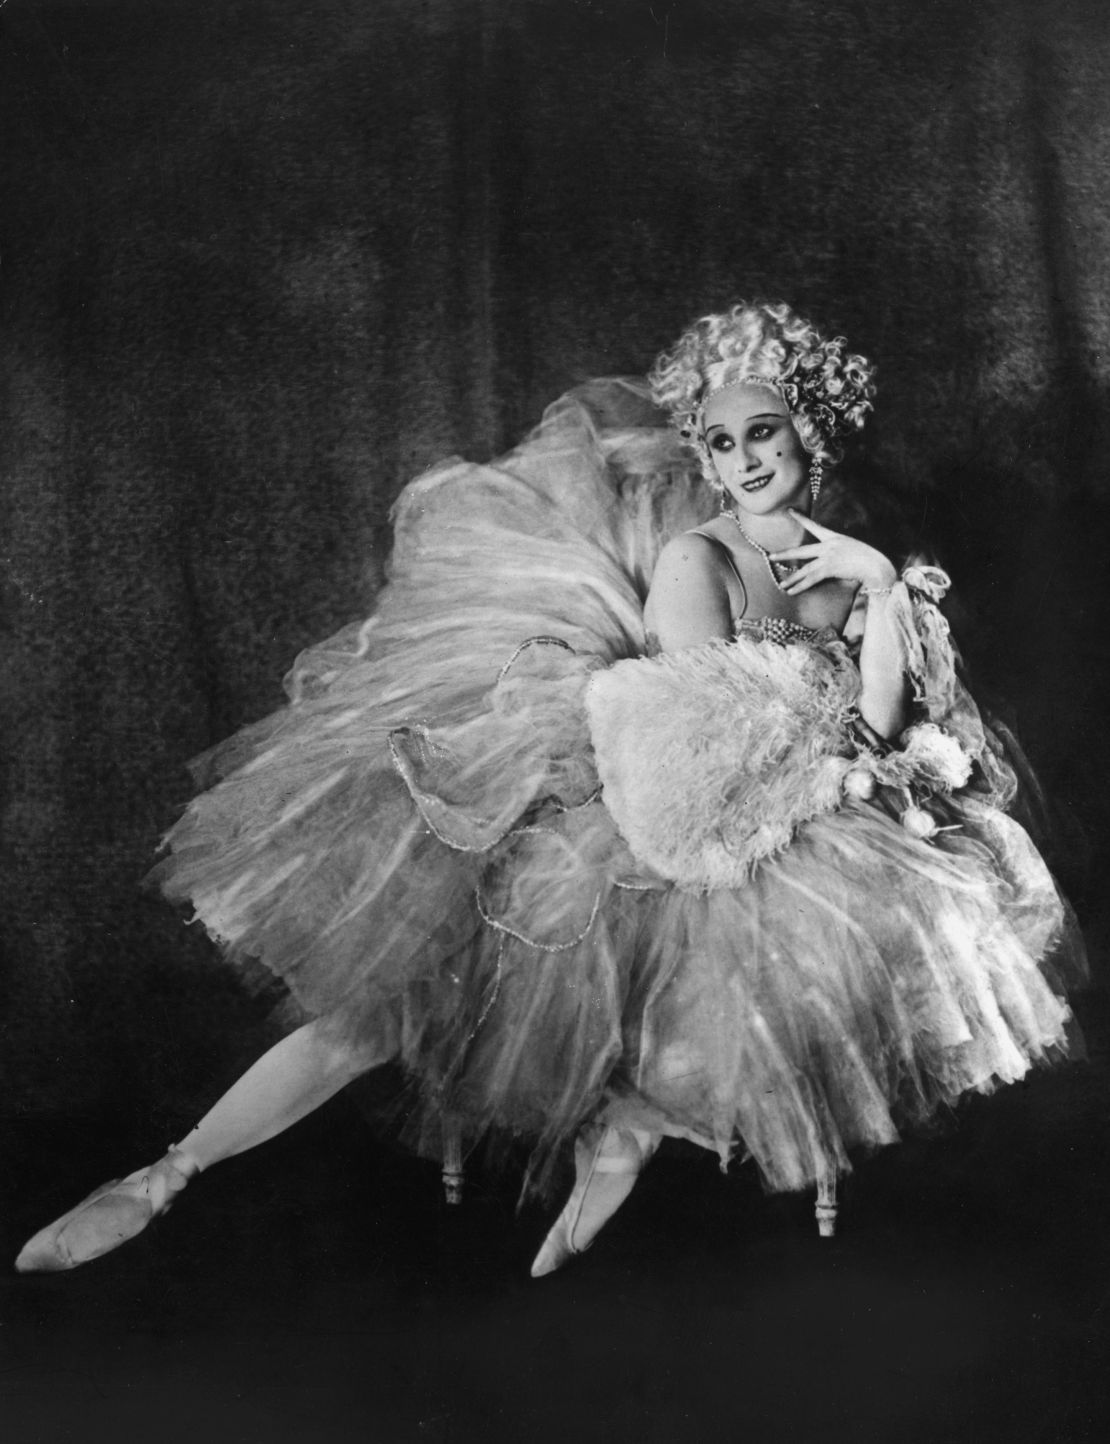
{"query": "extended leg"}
(288, 1083)
(296, 1076)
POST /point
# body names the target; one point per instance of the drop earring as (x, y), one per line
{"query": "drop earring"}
(816, 473)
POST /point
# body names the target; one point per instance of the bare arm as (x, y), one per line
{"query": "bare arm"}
(688, 602)
(885, 694)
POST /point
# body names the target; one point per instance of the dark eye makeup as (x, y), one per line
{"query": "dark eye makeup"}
(759, 431)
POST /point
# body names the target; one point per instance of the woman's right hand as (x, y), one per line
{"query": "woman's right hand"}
(834, 557)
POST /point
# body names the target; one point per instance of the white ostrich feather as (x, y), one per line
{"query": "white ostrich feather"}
(712, 757)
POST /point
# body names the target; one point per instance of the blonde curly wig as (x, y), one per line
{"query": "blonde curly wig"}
(827, 390)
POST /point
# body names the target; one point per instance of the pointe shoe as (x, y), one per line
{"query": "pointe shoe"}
(570, 1235)
(111, 1215)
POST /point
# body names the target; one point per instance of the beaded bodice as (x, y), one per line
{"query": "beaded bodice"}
(763, 629)
(778, 630)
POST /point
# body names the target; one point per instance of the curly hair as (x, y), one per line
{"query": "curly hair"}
(827, 391)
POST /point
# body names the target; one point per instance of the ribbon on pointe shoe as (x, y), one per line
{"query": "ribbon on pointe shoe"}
(602, 1163)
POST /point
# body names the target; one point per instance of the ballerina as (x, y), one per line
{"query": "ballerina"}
(645, 804)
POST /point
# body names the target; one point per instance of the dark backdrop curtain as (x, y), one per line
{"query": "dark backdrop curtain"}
(262, 262)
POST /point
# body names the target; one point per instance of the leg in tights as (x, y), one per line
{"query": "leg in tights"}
(289, 1082)
(296, 1076)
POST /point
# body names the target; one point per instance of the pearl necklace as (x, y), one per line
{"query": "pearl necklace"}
(785, 568)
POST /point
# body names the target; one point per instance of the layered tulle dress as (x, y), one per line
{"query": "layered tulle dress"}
(561, 881)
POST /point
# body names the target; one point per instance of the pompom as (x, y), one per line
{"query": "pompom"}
(860, 782)
(936, 757)
(919, 823)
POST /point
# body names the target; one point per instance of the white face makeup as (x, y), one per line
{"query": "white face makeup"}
(756, 451)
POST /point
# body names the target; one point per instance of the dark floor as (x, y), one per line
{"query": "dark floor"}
(318, 1290)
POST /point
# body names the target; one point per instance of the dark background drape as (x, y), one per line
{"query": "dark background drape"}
(263, 262)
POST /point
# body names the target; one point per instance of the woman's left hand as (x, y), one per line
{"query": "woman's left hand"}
(833, 557)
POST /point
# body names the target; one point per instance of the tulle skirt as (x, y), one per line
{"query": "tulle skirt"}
(419, 847)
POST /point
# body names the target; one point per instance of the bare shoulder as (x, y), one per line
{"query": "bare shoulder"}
(688, 601)
(686, 556)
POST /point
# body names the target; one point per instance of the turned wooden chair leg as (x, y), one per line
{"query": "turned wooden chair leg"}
(826, 1207)
(452, 1160)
